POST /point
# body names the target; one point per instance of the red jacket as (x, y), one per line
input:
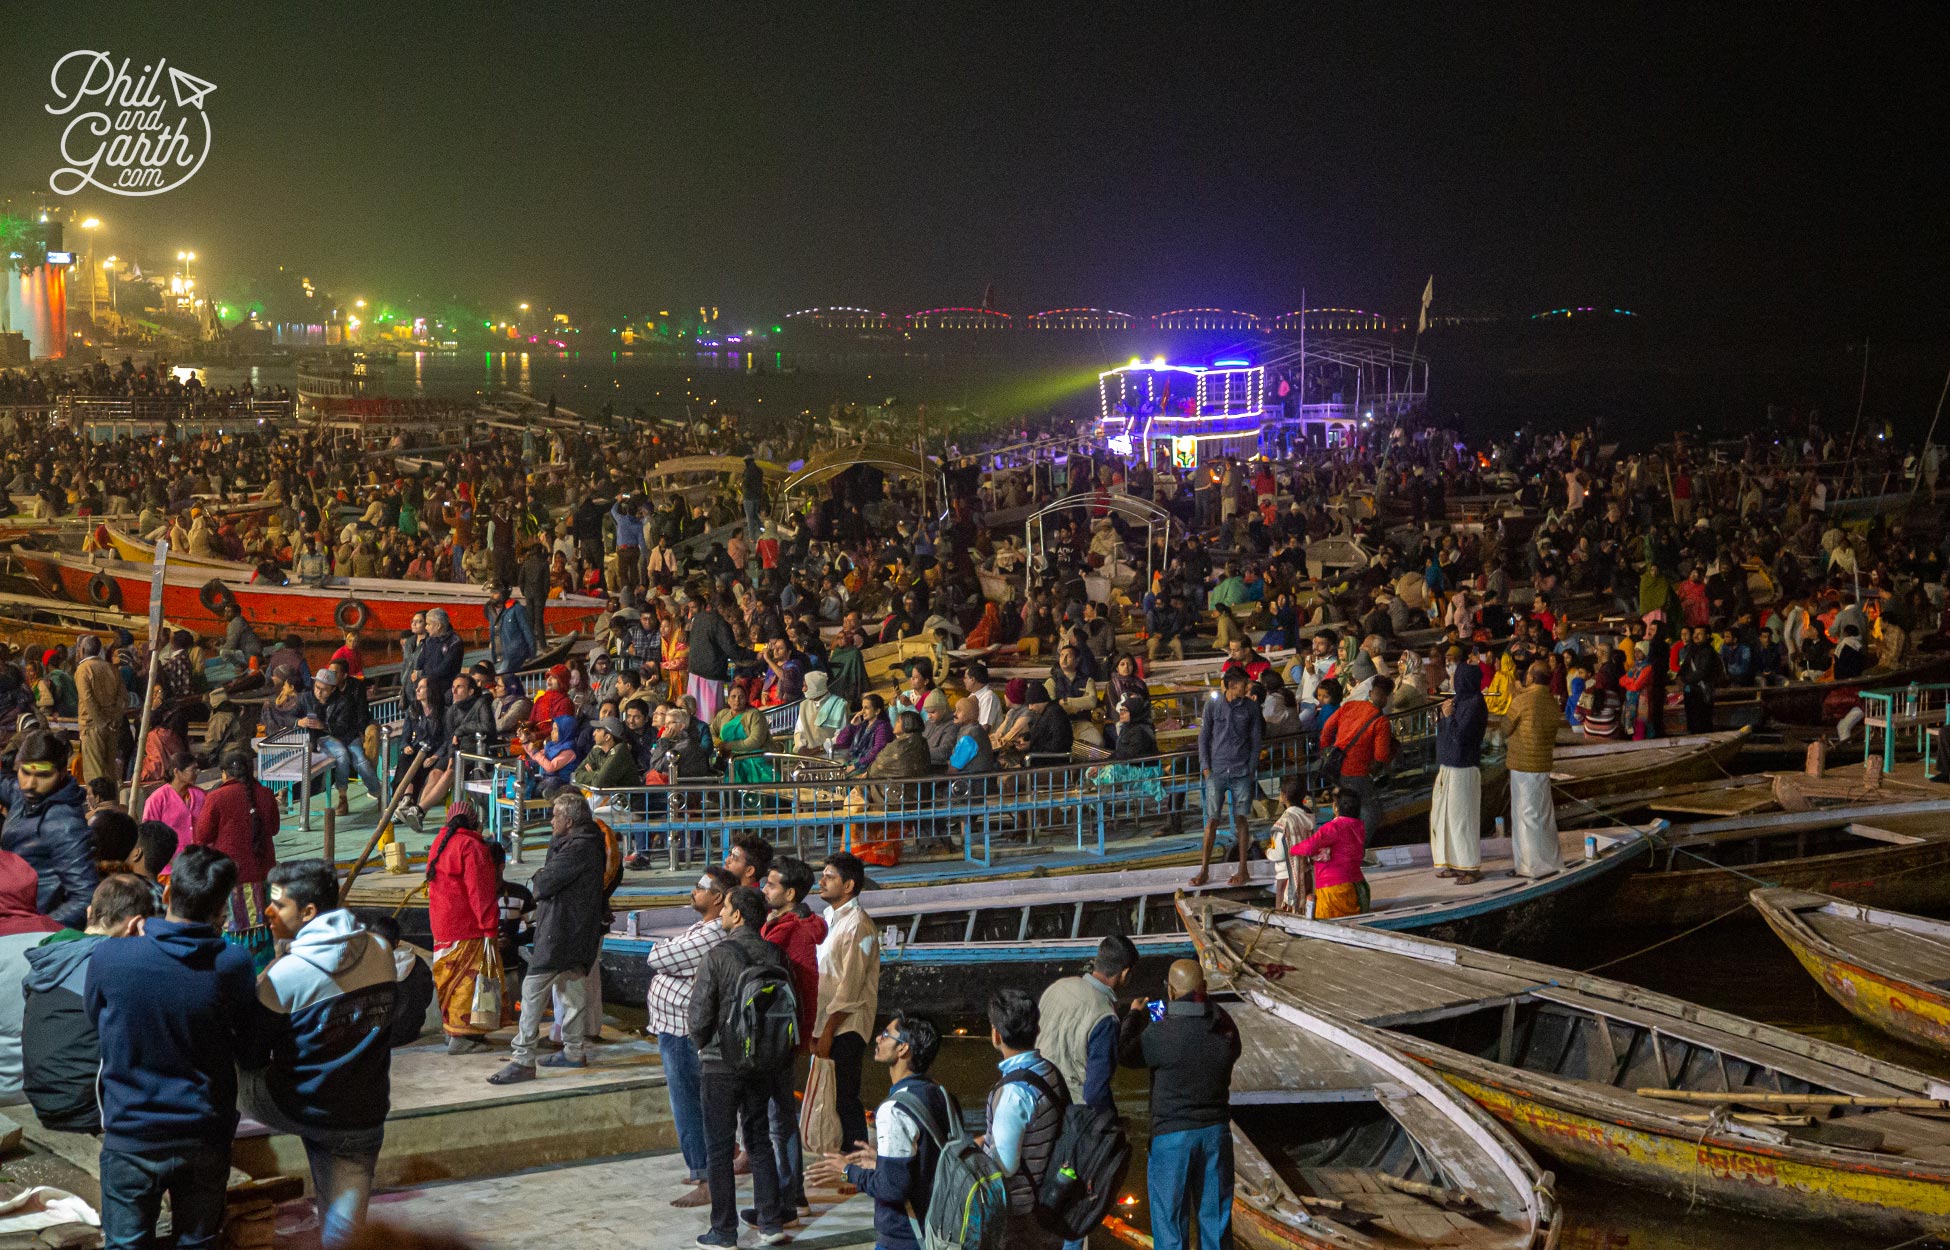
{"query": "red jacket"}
(225, 823)
(463, 901)
(1366, 737)
(799, 937)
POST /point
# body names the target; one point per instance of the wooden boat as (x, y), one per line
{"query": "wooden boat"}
(192, 597)
(1888, 969)
(1342, 1143)
(949, 944)
(1883, 854)
(1593, 769)
(138, 551)
(1630, 1085)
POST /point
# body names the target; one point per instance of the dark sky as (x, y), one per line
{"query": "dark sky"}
(1772, 164)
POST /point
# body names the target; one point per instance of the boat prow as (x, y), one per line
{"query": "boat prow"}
(1888, 969)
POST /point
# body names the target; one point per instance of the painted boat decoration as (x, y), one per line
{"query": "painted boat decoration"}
(1636, 1087)
(192, 597)
(1884, 854)
(1888, 969)
(1341, 1143)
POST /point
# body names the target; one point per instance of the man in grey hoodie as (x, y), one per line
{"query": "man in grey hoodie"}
(60, 1054)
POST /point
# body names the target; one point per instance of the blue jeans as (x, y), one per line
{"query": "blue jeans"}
(342, 1160)
(134, 1181)
(1191, 1170)
(683, 1079)
(350, 758)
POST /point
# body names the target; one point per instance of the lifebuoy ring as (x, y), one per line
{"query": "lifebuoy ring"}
(104, 591)
(216, 597)
(351, 614)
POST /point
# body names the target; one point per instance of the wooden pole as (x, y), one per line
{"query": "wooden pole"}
(155, 669)
(1795, 1100)
(384, 826)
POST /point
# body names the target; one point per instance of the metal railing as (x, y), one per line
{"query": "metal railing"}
(819, 806)
(1916, 708)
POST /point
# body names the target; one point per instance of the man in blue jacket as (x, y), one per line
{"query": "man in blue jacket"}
(47, 825)
(323, 1073)
(174, 1009)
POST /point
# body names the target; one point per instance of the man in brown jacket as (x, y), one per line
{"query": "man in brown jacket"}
(102, 705)
(1531, 729)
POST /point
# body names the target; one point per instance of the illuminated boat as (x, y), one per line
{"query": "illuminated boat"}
(194, 599)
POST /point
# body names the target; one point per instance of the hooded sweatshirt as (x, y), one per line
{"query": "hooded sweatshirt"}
(59, 1049)
(329, 1038)
(175, 1009)
(21, 929)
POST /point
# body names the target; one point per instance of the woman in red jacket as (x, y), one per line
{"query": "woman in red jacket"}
(240, 818)
(464, 907)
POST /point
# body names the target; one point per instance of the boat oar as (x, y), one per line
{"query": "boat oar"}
(1795, 1100)
(1447, 1199)
(385, 823)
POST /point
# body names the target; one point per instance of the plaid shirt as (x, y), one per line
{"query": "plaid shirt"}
(674, 964)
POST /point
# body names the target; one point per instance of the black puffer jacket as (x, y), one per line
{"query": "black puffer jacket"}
(51, 833)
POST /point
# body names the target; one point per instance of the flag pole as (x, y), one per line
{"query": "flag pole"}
(1929, 438)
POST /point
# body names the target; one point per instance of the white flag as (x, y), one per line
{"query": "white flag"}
(1428, 297)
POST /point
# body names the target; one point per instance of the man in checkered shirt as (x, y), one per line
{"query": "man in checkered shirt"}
(674, 964)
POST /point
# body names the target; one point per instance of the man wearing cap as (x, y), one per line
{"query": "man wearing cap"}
(1190, 1051)
(332, 715)
(610, 764)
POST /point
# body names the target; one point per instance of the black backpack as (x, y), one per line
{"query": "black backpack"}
(1086, 1171)
(758, 1025)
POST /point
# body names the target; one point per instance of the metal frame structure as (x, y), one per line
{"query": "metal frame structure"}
(1113, 501)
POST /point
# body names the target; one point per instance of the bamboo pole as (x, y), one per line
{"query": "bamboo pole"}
(1794, 1100)
(385, 825)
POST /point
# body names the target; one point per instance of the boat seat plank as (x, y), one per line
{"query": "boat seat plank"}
(1746, 1050)
(1278, 1057)
(1366, 984)
(1910, 955)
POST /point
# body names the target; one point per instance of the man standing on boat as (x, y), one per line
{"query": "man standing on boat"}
(102, 705)
(712, 647)
(1455, 806)
(1530, 728)
(1228, 760)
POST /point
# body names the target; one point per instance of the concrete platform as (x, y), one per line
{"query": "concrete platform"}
(612, 1202)
(448, 1123)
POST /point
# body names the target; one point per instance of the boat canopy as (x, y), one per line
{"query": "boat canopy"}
(1138, 511)
(829, 464)
(680, 465)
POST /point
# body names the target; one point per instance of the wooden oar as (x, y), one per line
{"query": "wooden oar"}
(384, 825)
(1800, 1100)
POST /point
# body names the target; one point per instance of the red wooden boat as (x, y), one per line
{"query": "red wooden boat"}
(194, 599)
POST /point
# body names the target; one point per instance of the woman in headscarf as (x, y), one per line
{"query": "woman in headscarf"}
(1136, 740)
(673, 651)
(822, 715)
(1456, 805)
(988, 630)
(554, 761)
(1646, 684)
(280, 712)
(1601, 706)
(1503, 686)
(742, 735)
(512, 708)
(464, 909)
(848, 667)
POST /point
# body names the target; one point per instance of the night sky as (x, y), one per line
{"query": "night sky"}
(1773, 166)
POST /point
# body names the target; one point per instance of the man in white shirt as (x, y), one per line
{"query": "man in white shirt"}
(849, 990)
(988, 704)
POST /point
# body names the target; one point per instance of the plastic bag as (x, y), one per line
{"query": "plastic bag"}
(819, 1114)
(486, 1013)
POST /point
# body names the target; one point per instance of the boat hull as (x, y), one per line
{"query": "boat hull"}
(1905, 1010)
(1759, 1180)
(276, 610)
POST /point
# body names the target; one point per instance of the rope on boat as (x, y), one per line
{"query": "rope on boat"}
(1646, 950)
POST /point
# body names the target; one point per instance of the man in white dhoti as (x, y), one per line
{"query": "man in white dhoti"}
(1531, 727)
(1455, 807)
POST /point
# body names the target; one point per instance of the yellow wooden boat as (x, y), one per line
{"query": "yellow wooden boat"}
(136, 551)
(1629, 1085)
(1886, 968)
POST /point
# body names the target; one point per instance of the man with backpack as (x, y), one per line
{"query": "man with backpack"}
(1025, 1115)
(1078, 1033)
(1190, 1047)
(1360, 740)
(911, 1129)
(744, 1020)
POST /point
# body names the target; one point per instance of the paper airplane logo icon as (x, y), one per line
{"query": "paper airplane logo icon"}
(189, 89)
